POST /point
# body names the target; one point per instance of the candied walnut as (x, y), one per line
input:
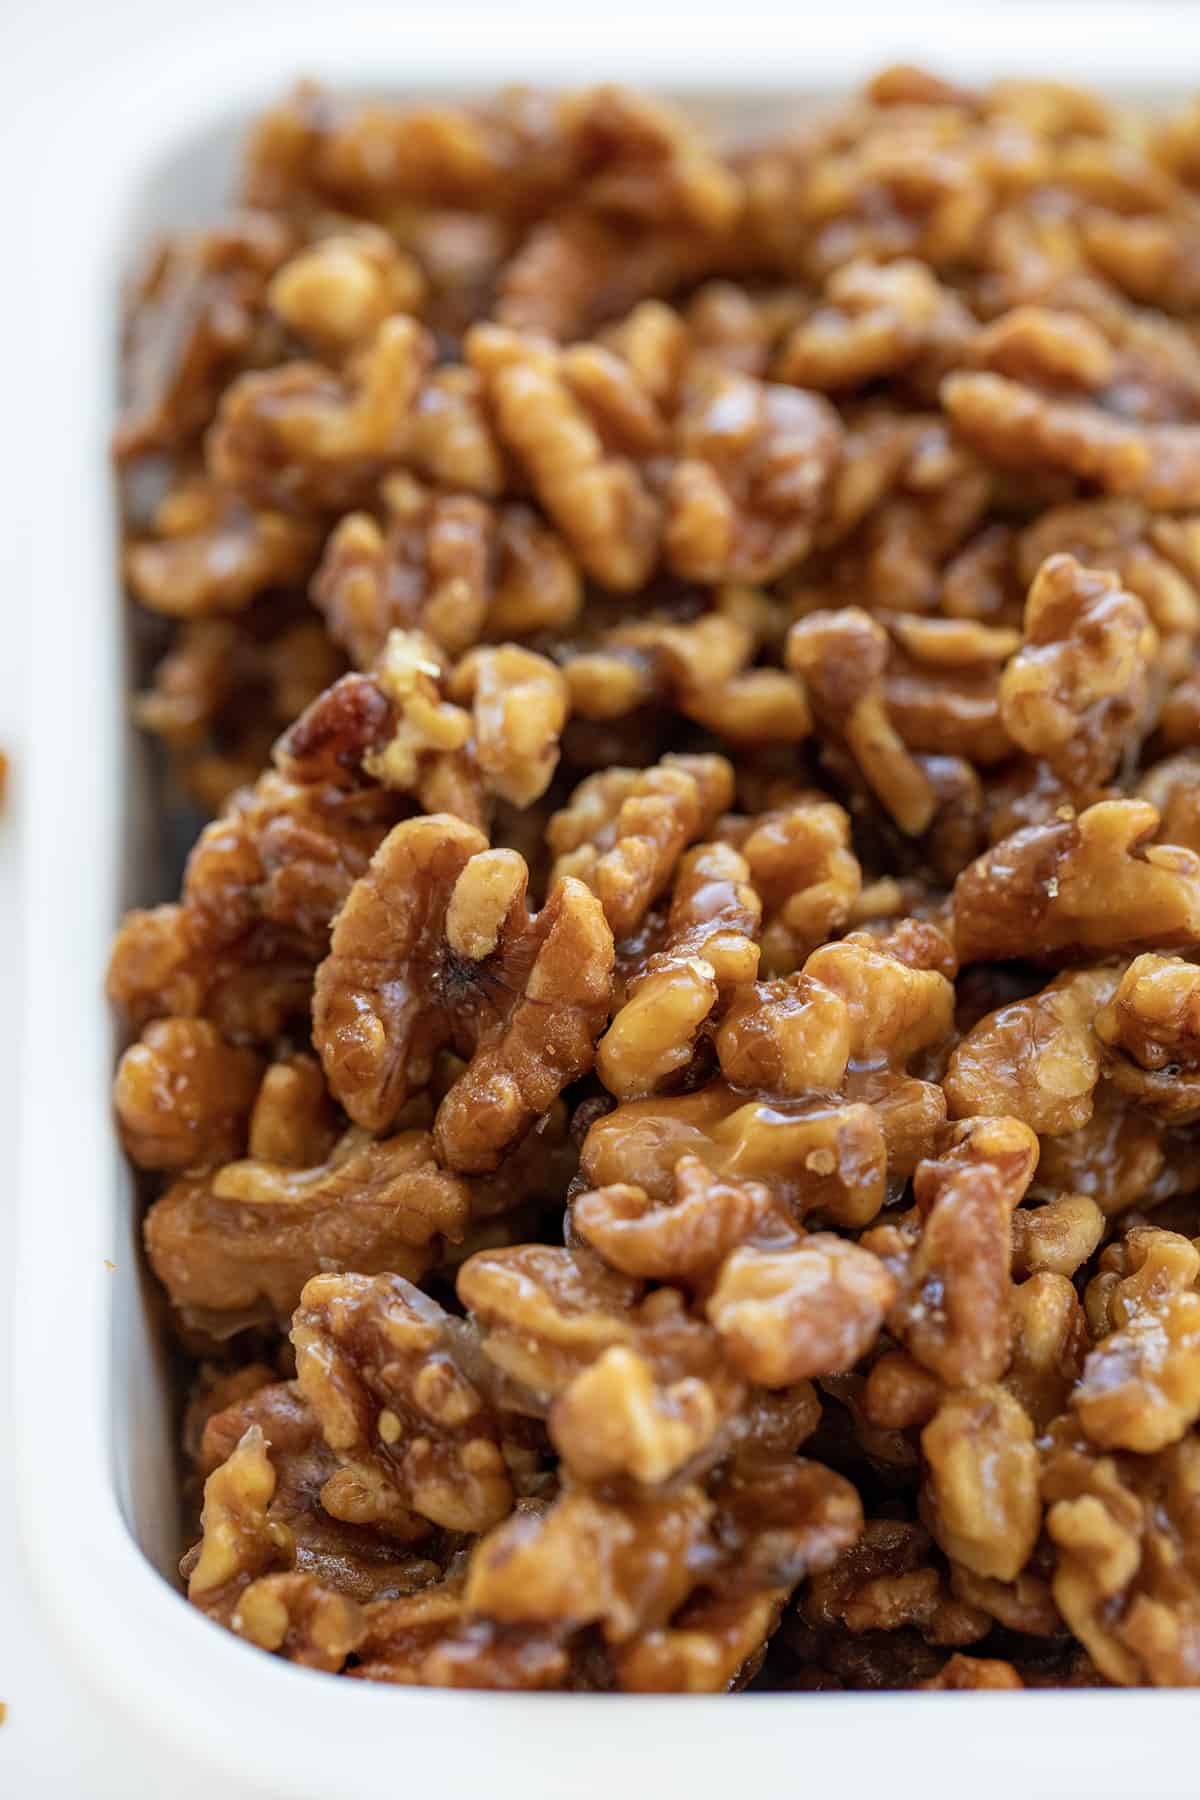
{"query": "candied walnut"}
(708, 948)
(1154, 558)
(447, 565)
(430, 1639)
(195, 320)
(1049, 1343)
(952, 1256)
(623, 831)
(1140, 1387)
(895, 1007)
(888, 1581)
(875, 321)
(804, 872)
(183, 1095)
(789, 1036)
(435, 948)
(519, 704)
(549, 1312)
(260, 888)
(1016, 425)
(1151, 1028)
(300, 437)
(899, 1393)
(842, 656)
(982, 1485)
(614, 1419)
(211, 553)
(292, 1615)
(1036, 1059)
(250, 1235)
(1076, 691)
(337, 291)
(595, 495)
(972, 1674)
(1096, 882)
(1125, 1575)
(754, 466)
(684, 1238)
(376, 1361)
(815, 1154)
(704, 1650)
(942, 685)
(814, 1308)
(1058, 1237)
(589, 1562)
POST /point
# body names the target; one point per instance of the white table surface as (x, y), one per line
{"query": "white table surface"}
(59, 1742)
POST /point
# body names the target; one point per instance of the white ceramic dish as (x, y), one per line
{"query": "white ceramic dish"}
(94, 1453)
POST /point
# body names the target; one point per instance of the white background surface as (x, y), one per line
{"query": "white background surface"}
(59, 1743)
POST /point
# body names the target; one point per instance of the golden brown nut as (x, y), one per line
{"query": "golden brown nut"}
(299, 437)
(337, 292)
(376, 1361)
(211, 553)
(684, 1238)
(1035, 1059)
(984, 1506)
(1081, 885)
(249, 1236)
(436, 948)
(841, 656)
(1123, 1579)
(623, 831)
(183, 1095)
(1076, 691)
(887, 1581)
(804, 872)
(755, 464)
(876, 321)
(1140, 1388)
(1151, 1027)
(813, 1308)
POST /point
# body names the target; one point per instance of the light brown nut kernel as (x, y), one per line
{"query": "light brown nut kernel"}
(1057, 1238)
(681, 1240)
(519, 703)
(1036, 1059)
(614, 1420)
(338, 291)
(985, 1509)
(1151, 1027)
(812, 1309)
(1140, 1388)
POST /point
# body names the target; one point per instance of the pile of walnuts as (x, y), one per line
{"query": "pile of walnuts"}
(670, 1091)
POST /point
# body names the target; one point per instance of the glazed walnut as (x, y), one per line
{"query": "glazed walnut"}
(1149, 1031)
(1075, 691)
(1140, 1388)
(1093, 883)
(183, 1096)
(436, 948)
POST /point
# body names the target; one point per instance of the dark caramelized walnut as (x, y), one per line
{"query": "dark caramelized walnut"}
(247, 1237)
(1076, 691)
(376, 1361)
(183, 1095)
(952, 1254)
(1081, 885)
(196, 319)
(889, 1581)
(973, 1674)
(436, 948)
(624, 831)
